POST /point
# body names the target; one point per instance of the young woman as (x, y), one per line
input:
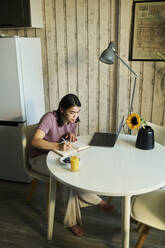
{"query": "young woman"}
(52, 127)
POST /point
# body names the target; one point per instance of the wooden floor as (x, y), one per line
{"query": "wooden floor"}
(24, 225)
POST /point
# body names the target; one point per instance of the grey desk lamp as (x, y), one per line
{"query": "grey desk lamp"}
(108, 56)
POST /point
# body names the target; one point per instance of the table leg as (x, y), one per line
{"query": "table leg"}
(51, 207)
(126, 221)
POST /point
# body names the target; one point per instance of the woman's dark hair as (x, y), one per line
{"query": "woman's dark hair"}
(67, 102)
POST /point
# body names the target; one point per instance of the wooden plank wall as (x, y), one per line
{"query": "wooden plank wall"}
(74, 35)
(149, 99)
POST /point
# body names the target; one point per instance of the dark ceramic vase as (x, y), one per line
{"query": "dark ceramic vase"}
(145, 138)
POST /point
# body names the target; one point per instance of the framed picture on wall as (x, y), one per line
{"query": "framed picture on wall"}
(148, 31)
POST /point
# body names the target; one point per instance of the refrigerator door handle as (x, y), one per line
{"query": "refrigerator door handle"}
(11, 123)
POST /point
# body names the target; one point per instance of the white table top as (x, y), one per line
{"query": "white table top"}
(122, 170)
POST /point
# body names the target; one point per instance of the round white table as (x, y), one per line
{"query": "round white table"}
(122, 170)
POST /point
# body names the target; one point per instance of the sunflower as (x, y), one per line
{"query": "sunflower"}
(133, 121)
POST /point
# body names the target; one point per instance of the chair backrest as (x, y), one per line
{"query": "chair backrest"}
(27, 134)
(159, 133)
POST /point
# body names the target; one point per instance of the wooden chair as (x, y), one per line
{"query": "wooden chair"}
(27, 134)
(148, 209)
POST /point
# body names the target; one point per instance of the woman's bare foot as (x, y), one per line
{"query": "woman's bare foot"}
(77, 230)
(105, 206)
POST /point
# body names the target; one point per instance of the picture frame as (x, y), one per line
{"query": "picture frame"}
(148, 31)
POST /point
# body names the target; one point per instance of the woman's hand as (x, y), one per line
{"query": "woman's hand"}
(65, 146)
(71, 137)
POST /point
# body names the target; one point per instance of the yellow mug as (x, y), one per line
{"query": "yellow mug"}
(74, 160)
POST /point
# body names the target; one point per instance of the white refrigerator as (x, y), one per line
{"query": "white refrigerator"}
(21, 100)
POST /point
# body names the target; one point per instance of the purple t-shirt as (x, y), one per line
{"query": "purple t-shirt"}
(53, 132)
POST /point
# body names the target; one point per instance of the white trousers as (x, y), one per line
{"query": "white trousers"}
(72, 200)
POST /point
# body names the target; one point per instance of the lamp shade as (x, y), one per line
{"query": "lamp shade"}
(108, 54)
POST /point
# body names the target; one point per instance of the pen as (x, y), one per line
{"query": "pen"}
(64, 140)
(67, 142)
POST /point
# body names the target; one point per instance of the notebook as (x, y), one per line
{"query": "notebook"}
(76, 147)
(106, 139)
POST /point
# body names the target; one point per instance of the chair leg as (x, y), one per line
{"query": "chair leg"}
(109, 200)
(143, 235)
(47, 197)
(33, 185)
(139, 227)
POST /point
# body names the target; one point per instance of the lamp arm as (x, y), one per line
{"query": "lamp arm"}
(135, 74)
(132, 97)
